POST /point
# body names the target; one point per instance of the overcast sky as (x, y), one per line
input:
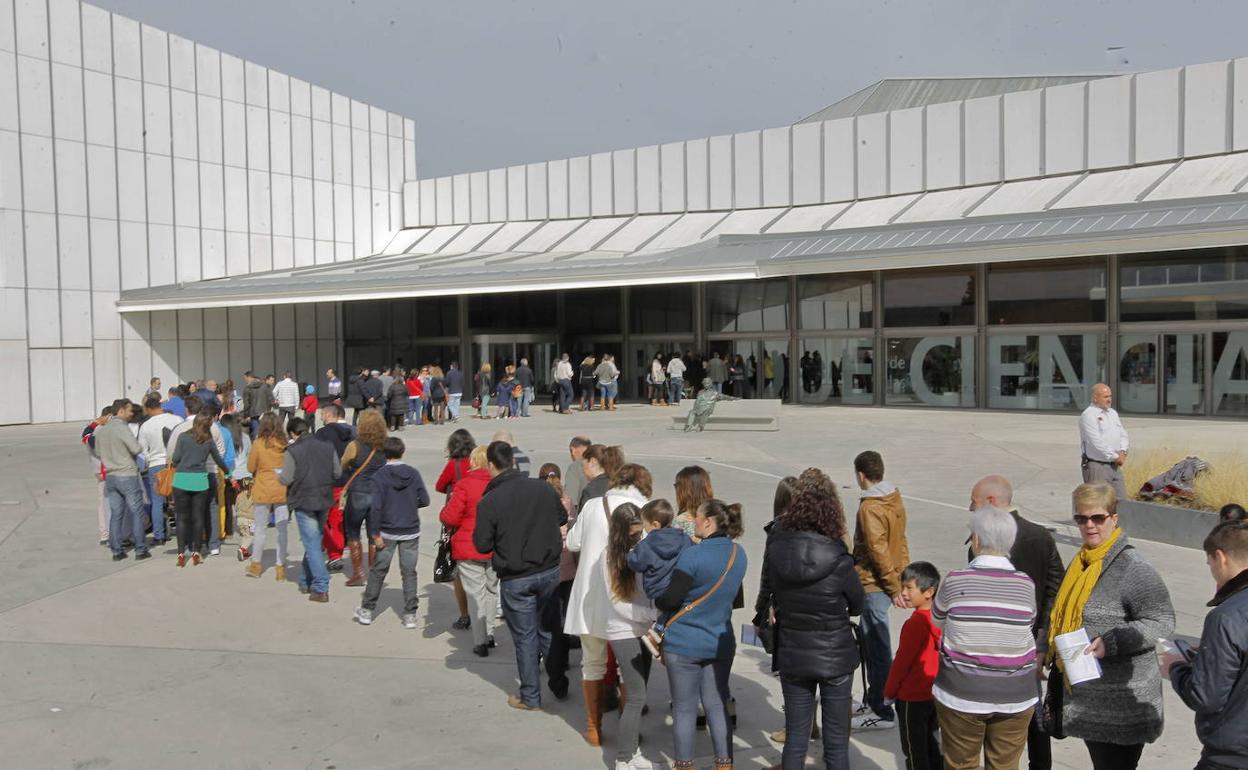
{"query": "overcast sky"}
(497, 82)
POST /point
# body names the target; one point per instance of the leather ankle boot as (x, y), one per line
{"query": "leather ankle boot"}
(357, 564)
(593, 711)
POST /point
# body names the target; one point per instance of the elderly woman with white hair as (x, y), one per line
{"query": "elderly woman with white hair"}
(985, 690)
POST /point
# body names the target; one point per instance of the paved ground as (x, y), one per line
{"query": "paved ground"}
(142, 665)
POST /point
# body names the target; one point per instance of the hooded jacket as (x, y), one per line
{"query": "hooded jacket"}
(398, 495)
(518, 519)
(880, 548)
(460, 514)
(1215, 683)
(355, 392)
(336, 434)
(257, 398)
(654, 558)
(815, 590)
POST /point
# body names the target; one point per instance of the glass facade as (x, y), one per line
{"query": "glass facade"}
(1168, 331)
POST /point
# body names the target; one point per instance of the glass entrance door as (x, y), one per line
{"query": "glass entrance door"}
(756, 368)
(503, 350)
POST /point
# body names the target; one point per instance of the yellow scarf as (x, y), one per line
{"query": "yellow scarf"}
(1081, 577)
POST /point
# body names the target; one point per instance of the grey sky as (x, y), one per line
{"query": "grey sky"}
(496, 82)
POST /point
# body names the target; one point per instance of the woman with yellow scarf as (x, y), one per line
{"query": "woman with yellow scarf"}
(1121, 601)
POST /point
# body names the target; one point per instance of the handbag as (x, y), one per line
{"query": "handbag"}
(443, 563)
(1050, 716)
(476, 402)
(164, 481)
(653, 638)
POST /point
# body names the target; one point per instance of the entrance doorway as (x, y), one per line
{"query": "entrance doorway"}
(756, 368)
(501, 350)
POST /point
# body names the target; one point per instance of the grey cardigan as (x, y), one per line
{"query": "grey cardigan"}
(1129, 609)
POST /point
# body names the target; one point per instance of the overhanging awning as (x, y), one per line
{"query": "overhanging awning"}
(1059, 232)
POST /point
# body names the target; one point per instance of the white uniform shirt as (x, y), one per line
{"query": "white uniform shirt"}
(1101, 435)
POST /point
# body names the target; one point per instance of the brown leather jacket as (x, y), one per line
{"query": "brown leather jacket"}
(880, 548)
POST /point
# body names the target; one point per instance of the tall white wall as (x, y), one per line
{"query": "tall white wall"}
(130, 157)
(1188, 112)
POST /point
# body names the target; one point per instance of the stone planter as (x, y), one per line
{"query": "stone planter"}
(1165, 523)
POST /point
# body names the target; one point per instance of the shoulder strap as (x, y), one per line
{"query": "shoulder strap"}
(362, 466)
(691, 605)
(457, 471)
(606, 506)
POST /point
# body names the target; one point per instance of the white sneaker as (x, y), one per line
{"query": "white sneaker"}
(638, 762)
(215, 552)
(409, 620)
(870, 722)
(860, 708)
(363, 617)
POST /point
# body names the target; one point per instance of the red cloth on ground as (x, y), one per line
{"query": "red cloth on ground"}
(917, 660)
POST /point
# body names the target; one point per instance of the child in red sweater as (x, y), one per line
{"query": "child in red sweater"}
(310, 405)
(914, 669)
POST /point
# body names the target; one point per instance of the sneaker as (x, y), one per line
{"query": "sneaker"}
(243, 554)
(871, 722)
(859, 709)
(142, 556)
(182, 560)
(481, 651)
(215, 552)
(462, 624)
(363, 617)
(119, 556)
(638, 762)
(409, 620)
(515, 702)
(196, 558)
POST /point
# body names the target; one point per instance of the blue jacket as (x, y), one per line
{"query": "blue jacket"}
(176, 405)
(705, 633)
(654, 558)
(398, 495)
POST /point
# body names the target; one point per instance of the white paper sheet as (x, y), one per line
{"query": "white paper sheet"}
(1081, 666)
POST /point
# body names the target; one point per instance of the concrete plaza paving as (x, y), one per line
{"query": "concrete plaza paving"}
(143, 665)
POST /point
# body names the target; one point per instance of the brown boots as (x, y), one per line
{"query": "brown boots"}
(254, 569)
(357, 563)
(593, 711)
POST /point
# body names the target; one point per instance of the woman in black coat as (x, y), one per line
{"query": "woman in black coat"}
(396, 403)
(355, 395)
(814, 590)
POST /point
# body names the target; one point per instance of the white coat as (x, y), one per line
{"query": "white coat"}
(590, 606)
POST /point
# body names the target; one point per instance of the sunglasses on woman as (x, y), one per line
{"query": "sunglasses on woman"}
(1097, 518)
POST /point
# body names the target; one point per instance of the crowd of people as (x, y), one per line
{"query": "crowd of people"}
(593, 557)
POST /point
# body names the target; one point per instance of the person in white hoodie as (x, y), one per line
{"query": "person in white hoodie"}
(630, 617)
(286, 394)
(590, 606)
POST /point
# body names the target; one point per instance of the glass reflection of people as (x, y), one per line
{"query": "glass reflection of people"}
(816, 367)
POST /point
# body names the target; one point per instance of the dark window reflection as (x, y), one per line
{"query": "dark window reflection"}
(939, 297)
(1193, 285)
(835, 301)
(1060, 291)
(591, 311)
(661, 309)
(747, 306)
(512, 312)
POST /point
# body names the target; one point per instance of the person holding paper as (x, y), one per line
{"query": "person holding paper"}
(1121, 602)
(1213, 681)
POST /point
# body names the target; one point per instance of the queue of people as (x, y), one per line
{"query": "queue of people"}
(592, 557)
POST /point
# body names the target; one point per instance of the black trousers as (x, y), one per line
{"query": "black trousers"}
(916, 726)
(557, 658)
(396, 421)
(1112, 756)
(192, 511)
(1039, 747)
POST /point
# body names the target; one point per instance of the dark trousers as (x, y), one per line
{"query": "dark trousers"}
(916, 726)
(408, 551)
(878, 646)
(524, 604)
(1112, 756)
(1039, 749)
(565, 395)
(799, 710)
(192, 512)
(552, 621)
(355, 514)
(396, 421)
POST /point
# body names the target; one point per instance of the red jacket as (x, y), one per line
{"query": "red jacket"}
(415, 388)
(310, 404)
(460, 514)
(917, 660)
(447, 478)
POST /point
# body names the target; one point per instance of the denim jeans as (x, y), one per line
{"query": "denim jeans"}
(878, 647)
(634, 661)
(565, 395)
(125, 502)
(156, 503)
(484, 410)
(524, 601)
(314, 575)
(799, 706)
(413, 410)
(675, 388)
(355, 514)
(408, 551)
(214, 513)
(526, 400)
(690, 681)
(452, 404)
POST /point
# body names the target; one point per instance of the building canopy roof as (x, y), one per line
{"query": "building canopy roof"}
(1170, 205)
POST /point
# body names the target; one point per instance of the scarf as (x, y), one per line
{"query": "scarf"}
(1081, 577)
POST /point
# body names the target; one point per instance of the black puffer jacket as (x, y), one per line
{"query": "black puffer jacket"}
(815, 590)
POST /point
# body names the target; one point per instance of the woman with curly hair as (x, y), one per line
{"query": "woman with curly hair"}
(360, 461)
(693, 488)
(815, 590)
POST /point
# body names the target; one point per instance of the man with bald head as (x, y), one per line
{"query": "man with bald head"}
(1035, 554)
(1103, 440)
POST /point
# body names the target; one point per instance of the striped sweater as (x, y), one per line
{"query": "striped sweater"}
(987, 652)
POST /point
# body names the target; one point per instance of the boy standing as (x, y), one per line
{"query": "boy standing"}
(915, 668)
(394, 525)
